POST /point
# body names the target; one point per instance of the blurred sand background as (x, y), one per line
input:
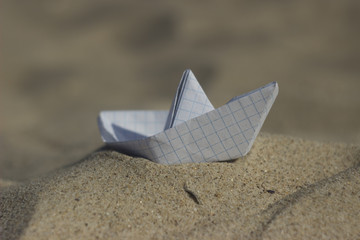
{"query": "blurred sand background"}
(61, 62)
(64, 61)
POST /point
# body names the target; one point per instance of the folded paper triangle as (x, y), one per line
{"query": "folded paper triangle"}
(190, 101)
(188, 132)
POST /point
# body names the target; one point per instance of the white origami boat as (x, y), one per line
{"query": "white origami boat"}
(192, 131)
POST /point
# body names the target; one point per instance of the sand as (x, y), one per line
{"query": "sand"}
(285, 188)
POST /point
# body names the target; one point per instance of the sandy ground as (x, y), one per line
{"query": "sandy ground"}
(285, 188)
(62, 62)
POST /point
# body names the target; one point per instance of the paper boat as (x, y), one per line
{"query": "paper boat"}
(192, 131)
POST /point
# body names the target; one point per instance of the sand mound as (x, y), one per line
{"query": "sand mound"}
(285, 188)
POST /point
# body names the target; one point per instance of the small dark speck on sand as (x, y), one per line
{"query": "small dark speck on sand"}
(191, 194)
(270, 191)
(76, 199)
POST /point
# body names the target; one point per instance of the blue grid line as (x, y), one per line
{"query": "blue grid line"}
(210, 146)
(186, 124)
(266, 108)
(218, 135)
(246, 114)
(192, 105)
(181, 110)
(254, 105)
(228, 126)
(194, 101)
(227, 129)
(255, 108)
(242, 132)
(163, 154)
(183, 144)
(171, 147)
(204, 136)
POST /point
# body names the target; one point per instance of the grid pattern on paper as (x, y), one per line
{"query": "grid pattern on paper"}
(225, 133)
(193, 101)
(131, 125)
